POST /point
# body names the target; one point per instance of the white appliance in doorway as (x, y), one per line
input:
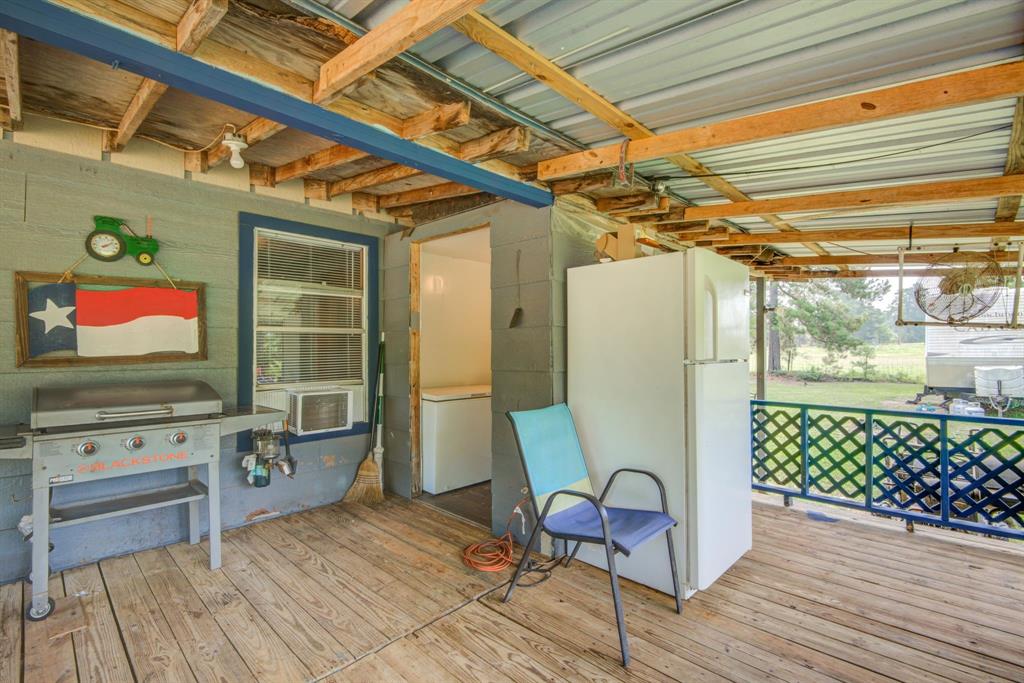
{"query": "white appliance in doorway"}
(658, 379)
(456, 432)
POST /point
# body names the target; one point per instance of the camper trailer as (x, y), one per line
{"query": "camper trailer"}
(952, 353)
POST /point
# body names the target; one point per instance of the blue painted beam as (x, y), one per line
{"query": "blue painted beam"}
(89, 37)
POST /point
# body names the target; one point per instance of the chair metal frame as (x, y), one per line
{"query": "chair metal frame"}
(609, 545)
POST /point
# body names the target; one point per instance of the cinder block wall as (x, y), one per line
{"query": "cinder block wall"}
(527, 361)
(47, 200)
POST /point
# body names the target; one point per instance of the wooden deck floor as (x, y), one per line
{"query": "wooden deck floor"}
(345, 593)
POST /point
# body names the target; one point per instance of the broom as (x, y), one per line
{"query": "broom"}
(368, 487)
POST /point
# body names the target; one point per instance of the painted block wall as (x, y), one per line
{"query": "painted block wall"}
(455, 321)
(47, 200)
(527, 361)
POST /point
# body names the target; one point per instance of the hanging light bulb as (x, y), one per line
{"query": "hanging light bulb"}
(236, 143)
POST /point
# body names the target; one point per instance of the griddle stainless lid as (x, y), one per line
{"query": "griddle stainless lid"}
(96, 404)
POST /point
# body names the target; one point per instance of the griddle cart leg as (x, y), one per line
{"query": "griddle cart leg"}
(213, 498)
(41, 606)
(193, 511)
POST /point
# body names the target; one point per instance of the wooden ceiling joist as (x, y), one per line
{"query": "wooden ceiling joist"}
(661, 206)
(631, 201)
(440, 118)
(144, 44)
(677, 225)
(424, 194)
(199, 20)
(434, 120)
(880, 259)
(898, 195)
(390, 174)
(335, 155)
(504, 141)
(401, 30)
(1009, 206)
(379, 176)
(12, 79)
(488, 34)
(901, 233)
(942, 92)
(584, 184)
(886, 272)
(708, 236)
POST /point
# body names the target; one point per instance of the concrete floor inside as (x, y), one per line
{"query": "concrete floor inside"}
(470, 502)
(349, 593)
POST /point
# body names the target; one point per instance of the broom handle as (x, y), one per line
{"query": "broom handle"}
(379, 437)
(376, 426)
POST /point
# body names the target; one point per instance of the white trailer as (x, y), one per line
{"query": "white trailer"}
(952, 353)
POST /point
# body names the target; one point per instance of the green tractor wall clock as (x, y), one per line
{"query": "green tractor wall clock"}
(112, 238)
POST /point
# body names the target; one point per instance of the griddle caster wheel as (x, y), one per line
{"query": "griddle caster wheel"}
(32, 616)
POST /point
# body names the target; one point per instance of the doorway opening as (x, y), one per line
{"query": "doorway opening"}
(451, 373)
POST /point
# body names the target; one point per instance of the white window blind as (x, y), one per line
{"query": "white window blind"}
(310, 315)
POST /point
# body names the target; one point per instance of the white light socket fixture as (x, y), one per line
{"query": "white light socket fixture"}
(236, 143)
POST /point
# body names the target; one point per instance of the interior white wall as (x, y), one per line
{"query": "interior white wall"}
(455, 321)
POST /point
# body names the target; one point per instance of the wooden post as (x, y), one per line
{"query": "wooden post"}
(762, 348)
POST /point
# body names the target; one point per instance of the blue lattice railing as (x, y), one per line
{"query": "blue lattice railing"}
(959, 472)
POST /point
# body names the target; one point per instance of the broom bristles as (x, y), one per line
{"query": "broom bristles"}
(367, 487)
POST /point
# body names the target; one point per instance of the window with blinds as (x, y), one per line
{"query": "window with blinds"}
(310, 312)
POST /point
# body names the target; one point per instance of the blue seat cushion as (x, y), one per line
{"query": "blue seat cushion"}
(629, 527)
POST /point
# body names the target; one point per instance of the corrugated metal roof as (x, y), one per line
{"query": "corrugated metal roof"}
(673, 64)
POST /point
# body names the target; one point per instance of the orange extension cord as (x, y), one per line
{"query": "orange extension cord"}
(494, 554)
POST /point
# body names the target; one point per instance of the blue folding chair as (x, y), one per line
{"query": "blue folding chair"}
(567, 509)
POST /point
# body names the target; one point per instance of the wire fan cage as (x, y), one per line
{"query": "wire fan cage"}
(959, 287)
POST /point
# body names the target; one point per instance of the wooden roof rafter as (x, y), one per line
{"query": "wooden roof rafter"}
(984, 84)
(199, 20)
(485, 146)
(914, 257)
(1009, 205)
(491, 36)
(897, 195)
(404, 28)
(107, 37)
(362, 55)
(10, 62)
(901, 233)
(440, 118)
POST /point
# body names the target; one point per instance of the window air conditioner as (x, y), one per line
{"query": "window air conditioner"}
(314, 411)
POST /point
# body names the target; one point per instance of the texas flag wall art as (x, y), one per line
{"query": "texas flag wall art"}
(95, 322)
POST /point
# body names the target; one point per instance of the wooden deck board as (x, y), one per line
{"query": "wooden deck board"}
(98, 650)
(152, 649)
(207, 649)
(352, 593)
(11, 607)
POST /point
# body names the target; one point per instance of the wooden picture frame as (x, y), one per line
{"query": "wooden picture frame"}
(22, 281)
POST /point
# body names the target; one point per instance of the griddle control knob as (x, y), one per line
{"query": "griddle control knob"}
(178, 438)
(134, 443)
(87, 448)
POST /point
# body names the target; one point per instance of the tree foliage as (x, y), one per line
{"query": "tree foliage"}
(842, 316)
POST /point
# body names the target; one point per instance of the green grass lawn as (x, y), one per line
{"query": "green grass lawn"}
(888, 395)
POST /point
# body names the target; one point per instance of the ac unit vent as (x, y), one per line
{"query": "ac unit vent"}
(313, 411)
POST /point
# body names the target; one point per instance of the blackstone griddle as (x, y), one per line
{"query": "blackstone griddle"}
(85, 433)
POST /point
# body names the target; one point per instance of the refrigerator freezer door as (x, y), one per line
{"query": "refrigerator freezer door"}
(718, 514)
(718, 307)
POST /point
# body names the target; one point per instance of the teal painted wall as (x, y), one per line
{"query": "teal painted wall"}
(47, 200)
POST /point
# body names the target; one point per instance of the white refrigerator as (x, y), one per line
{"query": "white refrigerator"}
(658, 379)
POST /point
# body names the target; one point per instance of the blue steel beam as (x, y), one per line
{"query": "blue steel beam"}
(89, 37)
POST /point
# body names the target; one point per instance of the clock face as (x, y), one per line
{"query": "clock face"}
(105, 245)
